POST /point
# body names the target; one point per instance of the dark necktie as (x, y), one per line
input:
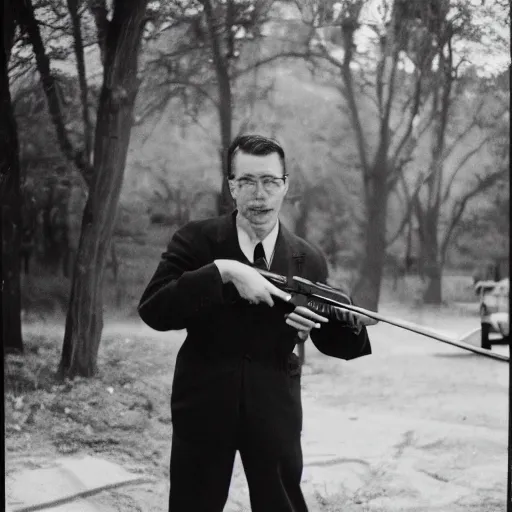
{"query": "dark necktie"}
(259, 257)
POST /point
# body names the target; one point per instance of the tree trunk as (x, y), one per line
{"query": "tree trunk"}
(433, 293)
(432, 266)
(226, 127)
(10, 199)
(225, 202)
(225, 105)
(84, 322)
(431, 253)
(30, 26)
(304, 207)
(367, 289)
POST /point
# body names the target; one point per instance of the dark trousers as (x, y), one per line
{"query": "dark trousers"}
(201, 475)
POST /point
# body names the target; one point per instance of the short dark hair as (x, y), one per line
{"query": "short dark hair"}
(254, 145)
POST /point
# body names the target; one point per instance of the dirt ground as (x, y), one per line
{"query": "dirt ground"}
(416, 426)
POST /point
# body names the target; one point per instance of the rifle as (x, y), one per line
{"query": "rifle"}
(330, 302)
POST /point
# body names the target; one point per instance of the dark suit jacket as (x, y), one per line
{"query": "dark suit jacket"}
(236, 368)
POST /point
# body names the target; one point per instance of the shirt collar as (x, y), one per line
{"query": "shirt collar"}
(269, 243)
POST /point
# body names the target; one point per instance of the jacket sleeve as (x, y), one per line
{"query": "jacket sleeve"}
(337, 339)
(184, 285)
(341, 341)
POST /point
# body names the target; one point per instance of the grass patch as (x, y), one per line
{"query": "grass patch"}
(123, 411)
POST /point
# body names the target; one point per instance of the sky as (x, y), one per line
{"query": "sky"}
(489, 17)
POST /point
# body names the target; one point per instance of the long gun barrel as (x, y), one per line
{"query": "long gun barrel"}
(324, 294)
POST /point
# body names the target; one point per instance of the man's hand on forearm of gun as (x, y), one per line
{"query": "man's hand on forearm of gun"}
(352, 318)
(305, 320)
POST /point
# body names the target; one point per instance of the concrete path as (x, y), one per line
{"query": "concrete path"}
(68, 484)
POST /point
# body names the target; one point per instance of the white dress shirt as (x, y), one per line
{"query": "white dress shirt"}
(248, 246)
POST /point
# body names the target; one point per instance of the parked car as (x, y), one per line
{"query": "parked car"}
(494, 311)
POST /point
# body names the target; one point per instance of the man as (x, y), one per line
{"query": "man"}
(237, 381)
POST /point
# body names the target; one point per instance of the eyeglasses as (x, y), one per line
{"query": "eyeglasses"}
(271, 184)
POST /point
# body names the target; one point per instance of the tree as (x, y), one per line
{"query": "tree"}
(10, 195)
(203, 64)
(393, 64)
(119, 41)
(385, 82)
(45, 181)
(482, 237)
(84, 320)
(442, 201)
(31, 28)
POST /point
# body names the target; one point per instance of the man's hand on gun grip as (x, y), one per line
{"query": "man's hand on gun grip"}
(251, 285)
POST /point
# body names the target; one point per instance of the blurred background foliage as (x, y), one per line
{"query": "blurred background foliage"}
(174, 170)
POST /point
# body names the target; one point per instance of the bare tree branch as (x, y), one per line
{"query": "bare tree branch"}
(391, 91)
(264, 92)
(268, 60)
(364, 90)
(184, 49)
(348, 29)
(446, 69)
(403, 113)
(380, 78)
(461, 165)
(412, 116)
(342, 165)
(199, 87)
(24, 69)
(99, 11)
(483, 183)
(408, 153)
(411, 199)
(30, 25)
(82, 80)
(473, 123)
(152, 108)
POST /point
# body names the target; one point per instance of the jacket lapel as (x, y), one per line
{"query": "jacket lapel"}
(288, 258)
(227, 246)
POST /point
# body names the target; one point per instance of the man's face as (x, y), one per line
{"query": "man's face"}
(257, 187)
